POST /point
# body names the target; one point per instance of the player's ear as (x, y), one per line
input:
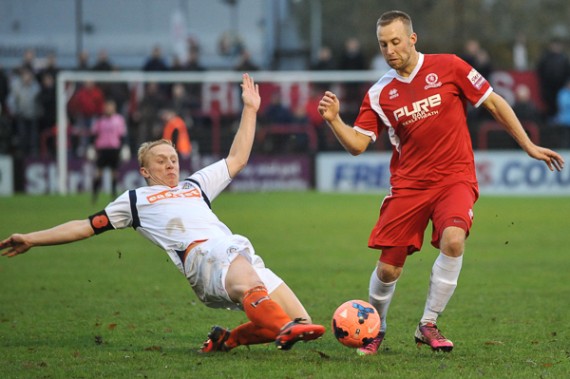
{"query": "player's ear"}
(144, 172)
(413, 38)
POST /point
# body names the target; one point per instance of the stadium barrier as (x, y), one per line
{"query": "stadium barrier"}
(503, 173)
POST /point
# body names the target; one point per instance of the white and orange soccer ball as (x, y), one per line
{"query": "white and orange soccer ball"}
(355, 323)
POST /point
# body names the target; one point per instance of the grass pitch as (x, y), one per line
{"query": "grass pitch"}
(114, 306)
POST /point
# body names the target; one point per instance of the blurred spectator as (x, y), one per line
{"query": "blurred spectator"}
(176, 64)
(245, 63)
(562, 117)
(324, 60)
(175, 130)
(520, 53)
(559, 130)
(379, 64)
(194, 90)
(6, 134)
(300, 141)
(103, 62)
(146, 123)
(155, 62)
(46, 101)
(193, 63)
(118, 92)
(553, 71)
(4, 88)
(315, 119)
(352, 57)
(23, 108)
(524, 106)
(230, 44)
(83, 61)
(477, 57)
(29, 61)
(86, 104)
(108, 136)
(276, 112)
(180, 101)
(49, 66)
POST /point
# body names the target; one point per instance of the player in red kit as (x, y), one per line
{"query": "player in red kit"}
(421, 103)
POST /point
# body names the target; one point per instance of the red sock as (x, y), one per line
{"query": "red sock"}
(250, 334)
(264, 312)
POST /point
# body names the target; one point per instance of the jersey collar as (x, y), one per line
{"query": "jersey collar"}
(414, 72)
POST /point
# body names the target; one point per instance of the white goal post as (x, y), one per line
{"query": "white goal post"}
(65, 77)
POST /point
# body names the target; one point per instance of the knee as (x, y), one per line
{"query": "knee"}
(453, 246)
(241, 277)
(388, 273)
(236, 291)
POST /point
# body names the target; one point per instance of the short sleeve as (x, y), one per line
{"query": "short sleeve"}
(474, 86)
(119, 212)
(213, 179)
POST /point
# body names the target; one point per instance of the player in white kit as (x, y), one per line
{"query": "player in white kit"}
(222, 268)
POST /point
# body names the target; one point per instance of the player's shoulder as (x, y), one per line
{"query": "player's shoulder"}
(443, 64)
(441, 59)
(385, 80)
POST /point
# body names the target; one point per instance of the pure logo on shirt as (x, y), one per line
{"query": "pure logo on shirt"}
(419, 109)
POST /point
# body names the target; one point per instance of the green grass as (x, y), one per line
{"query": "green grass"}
(115, 307)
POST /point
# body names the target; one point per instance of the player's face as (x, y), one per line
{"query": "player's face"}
(398, 46)
(161, 166)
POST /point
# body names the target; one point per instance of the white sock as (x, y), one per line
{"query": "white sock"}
(443, 281)
(380, 295)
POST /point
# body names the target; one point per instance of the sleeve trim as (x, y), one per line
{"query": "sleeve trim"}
(206, 200)
(134, 210)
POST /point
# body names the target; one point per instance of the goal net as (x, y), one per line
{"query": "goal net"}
(213, 98)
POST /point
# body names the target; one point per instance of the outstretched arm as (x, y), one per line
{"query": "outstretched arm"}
(243, 140)
(64, 233)
(504, 114)
(329, 108)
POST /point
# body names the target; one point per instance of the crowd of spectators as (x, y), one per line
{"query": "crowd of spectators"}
(28, 96)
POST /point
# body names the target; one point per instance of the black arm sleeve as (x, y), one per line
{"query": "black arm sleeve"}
(100, 222)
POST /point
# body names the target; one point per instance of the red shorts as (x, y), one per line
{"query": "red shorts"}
(405, 214)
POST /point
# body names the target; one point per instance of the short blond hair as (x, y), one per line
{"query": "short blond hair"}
(146, 146)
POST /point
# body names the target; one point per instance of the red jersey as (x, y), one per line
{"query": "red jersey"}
(426, 120)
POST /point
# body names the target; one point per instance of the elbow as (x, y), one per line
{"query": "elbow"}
(235, 165)
(355, 150)
(239, 166)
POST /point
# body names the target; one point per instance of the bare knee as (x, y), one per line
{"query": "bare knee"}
(453, 242)
(241, 277)
(387, 273)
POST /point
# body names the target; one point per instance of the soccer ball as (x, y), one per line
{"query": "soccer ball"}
(355, 323)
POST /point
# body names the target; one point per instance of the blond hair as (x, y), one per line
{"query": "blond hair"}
(146, 146)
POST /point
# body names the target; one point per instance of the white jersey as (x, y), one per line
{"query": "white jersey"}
(174, 217)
